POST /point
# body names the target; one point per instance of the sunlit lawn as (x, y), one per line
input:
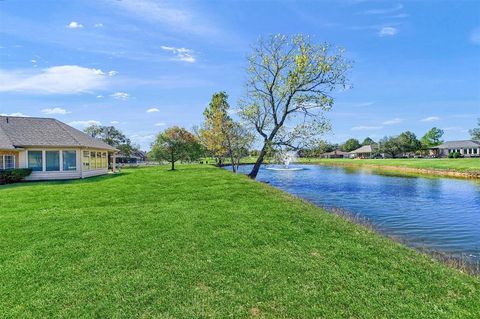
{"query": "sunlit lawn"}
(202, 242)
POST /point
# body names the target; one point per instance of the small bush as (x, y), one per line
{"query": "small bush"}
(9, 176)
(454, 155)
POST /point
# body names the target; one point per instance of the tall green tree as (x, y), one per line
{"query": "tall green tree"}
(289, 88)
(368, 141)
(475, 132)
(112, 136)
(350, 145)
(432, 138)
(390, 145)
(409, 142)
(176, 144)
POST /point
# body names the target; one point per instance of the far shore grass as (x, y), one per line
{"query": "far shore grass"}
(471, 165)
(202, 242)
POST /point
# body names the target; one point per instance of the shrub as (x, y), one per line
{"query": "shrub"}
(9, 176)
(454, 155)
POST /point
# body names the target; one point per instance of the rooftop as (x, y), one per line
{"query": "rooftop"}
(18, 132)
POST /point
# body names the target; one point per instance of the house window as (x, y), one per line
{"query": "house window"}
(69, 160)
(93, 162)
(52, 159)
(86, 160)
(9, 161)
(99, 159)
(104, 160)
(474, 151)
(35, 160)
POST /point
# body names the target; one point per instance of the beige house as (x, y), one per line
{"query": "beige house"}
(365, 151)
(52, 149)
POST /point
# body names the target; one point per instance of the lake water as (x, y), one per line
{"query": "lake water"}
(440, 214)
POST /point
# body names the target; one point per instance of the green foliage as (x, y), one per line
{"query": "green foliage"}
(206, 244)
(15, 175)
(454, 155)
(475, 132)
(112, 136)
(176, 144)
(368, 141)
(408, 142)
(350, 145)
(289, 89)
(432, 138)
(320, 147)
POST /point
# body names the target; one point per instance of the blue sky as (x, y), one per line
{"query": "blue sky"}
(144, 65)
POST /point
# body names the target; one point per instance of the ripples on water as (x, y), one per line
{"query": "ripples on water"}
(438, 214)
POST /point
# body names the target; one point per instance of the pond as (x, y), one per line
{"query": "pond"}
(439, 214)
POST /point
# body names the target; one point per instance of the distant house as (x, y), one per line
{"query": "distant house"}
(365, 151)
(467, 148)
(335, 154)
(52, 149)
(135, 157)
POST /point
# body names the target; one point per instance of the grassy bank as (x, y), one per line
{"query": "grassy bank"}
(461, 165)
(201, 242)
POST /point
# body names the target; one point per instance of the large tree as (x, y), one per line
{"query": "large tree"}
(112, 136)
(221, 135)
(368, 141)
(432, 138)
(475, 132)
(175, 144)
(289, 87)
(390, 145)
(350, 145)
(409, 142)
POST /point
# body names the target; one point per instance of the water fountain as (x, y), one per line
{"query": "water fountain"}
(286, 157)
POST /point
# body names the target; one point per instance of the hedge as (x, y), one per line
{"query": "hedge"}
(9, 176)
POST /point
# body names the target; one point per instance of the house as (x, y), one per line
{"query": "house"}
(335, 154)
(467, 148)
(135, 157)
(52, 149)
(365, 151)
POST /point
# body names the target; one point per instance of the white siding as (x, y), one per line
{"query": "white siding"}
(40, 176)
(95, 172)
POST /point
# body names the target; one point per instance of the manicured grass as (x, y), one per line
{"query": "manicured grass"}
(458, 164)
(202, 242)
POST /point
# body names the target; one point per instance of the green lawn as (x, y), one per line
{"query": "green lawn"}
(202, 242)
(458, 164)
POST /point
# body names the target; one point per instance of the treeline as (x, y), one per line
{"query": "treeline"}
(404, 144)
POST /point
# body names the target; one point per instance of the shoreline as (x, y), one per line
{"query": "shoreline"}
(408, 170)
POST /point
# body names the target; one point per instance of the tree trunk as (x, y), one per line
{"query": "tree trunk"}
(253, 174)
(233, 163)
(173, 162)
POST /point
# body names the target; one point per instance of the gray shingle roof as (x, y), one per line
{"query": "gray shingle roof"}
(20, 132)
(460, 144)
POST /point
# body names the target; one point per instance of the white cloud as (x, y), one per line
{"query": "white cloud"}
(83, 124)
(55, 110)
(172, 16)
(99, 96)
(393, 121)
(383, 10)
(387, 31)
(98, 25)
(114, 122)
(475, 36)
(366, 128)
(120, 96)
(160, 124)
(112, 73)
(362, 104)
(430, 119)
(15, 114)
(74, 25)
(64, 79)
(181, 54)
(153, 109)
